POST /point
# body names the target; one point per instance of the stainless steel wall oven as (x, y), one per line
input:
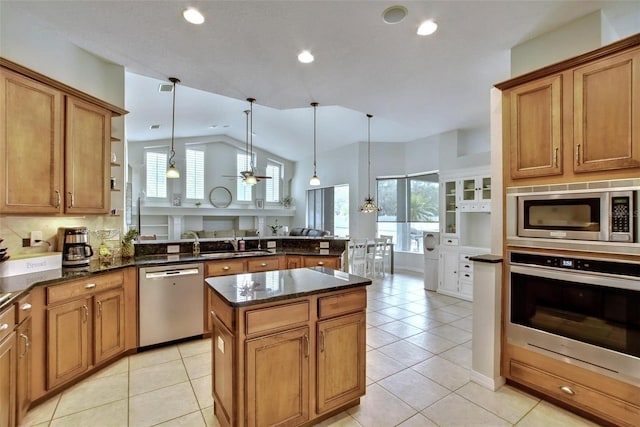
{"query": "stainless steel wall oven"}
(584, 311)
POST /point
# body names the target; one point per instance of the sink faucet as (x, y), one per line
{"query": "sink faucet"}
(234, 242)
(196, 243)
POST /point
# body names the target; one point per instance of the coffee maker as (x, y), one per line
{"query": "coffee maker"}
(73, 243)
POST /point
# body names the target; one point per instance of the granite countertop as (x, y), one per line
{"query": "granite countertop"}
(16, 285)
(256, 288)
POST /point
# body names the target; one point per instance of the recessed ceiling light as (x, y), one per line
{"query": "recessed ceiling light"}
(427, 28)
(193, 16)
(305, 57)
(394, 14)
(154, 127)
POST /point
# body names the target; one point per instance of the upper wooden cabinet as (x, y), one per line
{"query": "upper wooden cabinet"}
(55, 142)
(31, 141)
(575, 120)
(606, 119)
(535, 128)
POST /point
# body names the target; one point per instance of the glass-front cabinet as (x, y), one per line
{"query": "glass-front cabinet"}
(450, 203)
(475, 194)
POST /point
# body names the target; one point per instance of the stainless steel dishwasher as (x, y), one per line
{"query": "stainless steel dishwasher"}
(171, 303)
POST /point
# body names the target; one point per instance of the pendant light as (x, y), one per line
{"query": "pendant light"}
(172, 171)
(315, 181)
(250, 178)
(369, 205)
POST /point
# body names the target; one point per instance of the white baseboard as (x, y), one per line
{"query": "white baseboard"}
(491, 383)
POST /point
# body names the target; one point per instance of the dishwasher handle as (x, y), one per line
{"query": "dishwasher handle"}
(172, 273)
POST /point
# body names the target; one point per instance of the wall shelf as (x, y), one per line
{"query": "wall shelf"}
(211, 211)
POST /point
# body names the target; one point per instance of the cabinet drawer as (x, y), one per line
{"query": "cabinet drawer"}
(222, 268)
(342, 303)
(450, 241)
(76, 288)
(7, 322)
(23, 308)
(466, 258)
(263, 264)
(272, 318)
(595, 401)
(465, 267)
(319, 261)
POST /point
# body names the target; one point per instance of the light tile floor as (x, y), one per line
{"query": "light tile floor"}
(418, 363)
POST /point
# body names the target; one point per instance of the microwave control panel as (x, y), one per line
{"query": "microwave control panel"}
(620, 214)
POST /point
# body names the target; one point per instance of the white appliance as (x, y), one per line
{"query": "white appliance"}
(431, 249)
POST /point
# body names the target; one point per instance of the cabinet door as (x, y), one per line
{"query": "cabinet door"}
(222, 359)
(448, 272)
(535, 128)
(31, 132)
(67, 340)
(8, 381)
(293, 262)
(607, 114)
(341, 361)
(277, 379)
(87, 158)
(23, 384)
(450, 205)
(108, 324)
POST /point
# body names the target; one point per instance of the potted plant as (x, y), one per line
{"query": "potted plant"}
(275, 228)
(128, 250)
(287, 201)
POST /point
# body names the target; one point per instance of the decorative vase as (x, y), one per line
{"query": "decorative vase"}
(128, 250)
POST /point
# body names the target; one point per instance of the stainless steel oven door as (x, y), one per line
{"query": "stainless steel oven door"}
(586, 319)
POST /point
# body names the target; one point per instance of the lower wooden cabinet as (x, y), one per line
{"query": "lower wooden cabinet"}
(8, 358)
(277, 379)
(288, 363)
(340, 352)
(108, 325)
(23, 383)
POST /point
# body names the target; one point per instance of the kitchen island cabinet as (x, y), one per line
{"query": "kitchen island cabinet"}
(288, 346)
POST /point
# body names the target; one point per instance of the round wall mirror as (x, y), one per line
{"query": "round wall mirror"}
(220, 197)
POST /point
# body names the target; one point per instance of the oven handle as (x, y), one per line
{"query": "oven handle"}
(576, 276)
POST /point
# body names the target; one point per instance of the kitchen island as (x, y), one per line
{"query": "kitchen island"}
(288, 345)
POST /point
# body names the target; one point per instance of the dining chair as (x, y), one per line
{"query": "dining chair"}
(357, 260)
(375, 258)
(387, 254)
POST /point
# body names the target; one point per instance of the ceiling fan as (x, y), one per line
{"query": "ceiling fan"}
(249, 176)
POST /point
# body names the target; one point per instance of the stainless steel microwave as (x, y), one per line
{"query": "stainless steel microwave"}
(607, 216)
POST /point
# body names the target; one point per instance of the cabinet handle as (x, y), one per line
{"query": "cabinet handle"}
(555, 157)
(578, 154)
(70, 199)
(4, 327)
(566, 389)
(26, 345)
(90, 286)
(57, 205)
(226, 267)
(467, 275)
(26, 306)
(320, 262)
(264, 264)
(86, 313)
(99, 308)
(322, 341)
(306, 351)
(467, 266)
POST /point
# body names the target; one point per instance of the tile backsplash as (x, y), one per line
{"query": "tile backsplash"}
(15, 228)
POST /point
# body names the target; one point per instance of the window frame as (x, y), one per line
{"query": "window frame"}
(164, 151)
(198, 149)
(280, 182)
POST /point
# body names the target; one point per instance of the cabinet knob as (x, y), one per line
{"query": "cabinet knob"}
(26, 306)
(90, 286)
(264, 264)
(225, 268)
(320, 262)
(4, 327)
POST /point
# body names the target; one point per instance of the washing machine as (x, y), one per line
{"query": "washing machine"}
(431, 249)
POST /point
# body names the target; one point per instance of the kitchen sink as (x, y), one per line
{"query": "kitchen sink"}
(238, 254)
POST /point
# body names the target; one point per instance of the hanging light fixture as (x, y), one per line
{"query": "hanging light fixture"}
(172, 171)
(369, 205)
(314, 179)
(250, 178)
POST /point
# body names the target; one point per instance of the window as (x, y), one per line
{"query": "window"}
(194, 180)
(156, 169)
(409, 208)
(274, 185)
(328, 209)
(243, 191)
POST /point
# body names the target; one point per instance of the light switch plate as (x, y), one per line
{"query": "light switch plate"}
(324, 245)
(271, 244)
(324, 251)
(173, 249)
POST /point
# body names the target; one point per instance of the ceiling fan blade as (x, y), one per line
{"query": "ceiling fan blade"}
(263, 177)
(232, 176)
